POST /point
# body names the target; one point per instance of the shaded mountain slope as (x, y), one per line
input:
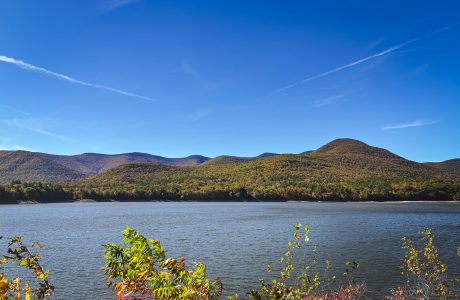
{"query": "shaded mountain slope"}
(94, 163)
(41, 167)
(33, 167)
(452, 165)
(267, 154)
(229, 159)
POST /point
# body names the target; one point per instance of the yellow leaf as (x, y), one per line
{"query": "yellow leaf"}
(27, 289)
(42, 275)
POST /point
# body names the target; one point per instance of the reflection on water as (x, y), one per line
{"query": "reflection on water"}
(235, 240)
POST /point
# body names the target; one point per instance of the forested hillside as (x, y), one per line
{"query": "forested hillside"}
(33, 167)
(450, 165)
(95, 163)
(28, 166)
(341, 170)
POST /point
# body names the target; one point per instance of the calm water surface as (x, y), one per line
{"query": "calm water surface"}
(235, 240)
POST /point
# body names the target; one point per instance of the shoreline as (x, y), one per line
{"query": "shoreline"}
(34, 202)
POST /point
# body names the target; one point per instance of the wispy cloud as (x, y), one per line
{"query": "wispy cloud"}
(30, 67)
(112, 4)
(13, 147)
(200, 115)
(32, 125)
(187, 68)
(417, 123)
(329, 100)
(374, 44)
(22, 112)
(45, 132)
(6, 144)
(359, 61)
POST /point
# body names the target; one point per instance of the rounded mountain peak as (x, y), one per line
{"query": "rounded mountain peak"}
(345, 146)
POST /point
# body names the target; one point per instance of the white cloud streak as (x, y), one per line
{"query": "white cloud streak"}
(360, 61)
(15, 110)
(417, 123)
(329, 100)
(26, 66)
(30, 124)
(200, 115)
(45, 132)
(118, 3)
(13, 147)
(6, 144)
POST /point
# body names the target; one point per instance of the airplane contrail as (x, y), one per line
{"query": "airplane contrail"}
(360, 61)
(30, 67)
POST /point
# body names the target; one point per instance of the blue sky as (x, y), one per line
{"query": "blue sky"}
(175, 78)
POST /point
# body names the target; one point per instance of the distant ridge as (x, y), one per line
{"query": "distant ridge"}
(41, 167)
(94, 163)
(267, 154)
(33, 167)
(450, 165)
(229, 159)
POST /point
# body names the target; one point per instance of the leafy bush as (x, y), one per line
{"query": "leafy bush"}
(142, 271)
(19, 254)
(426, 275)
(300, 277)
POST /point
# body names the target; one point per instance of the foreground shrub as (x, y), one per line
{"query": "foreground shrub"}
(426, 275)
(300, 277)
(140, 270)
(14, 288)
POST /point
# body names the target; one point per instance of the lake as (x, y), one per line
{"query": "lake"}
(235, 240)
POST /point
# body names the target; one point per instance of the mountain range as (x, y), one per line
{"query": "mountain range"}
(28, 166)
(344, 169)
(42, 167)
